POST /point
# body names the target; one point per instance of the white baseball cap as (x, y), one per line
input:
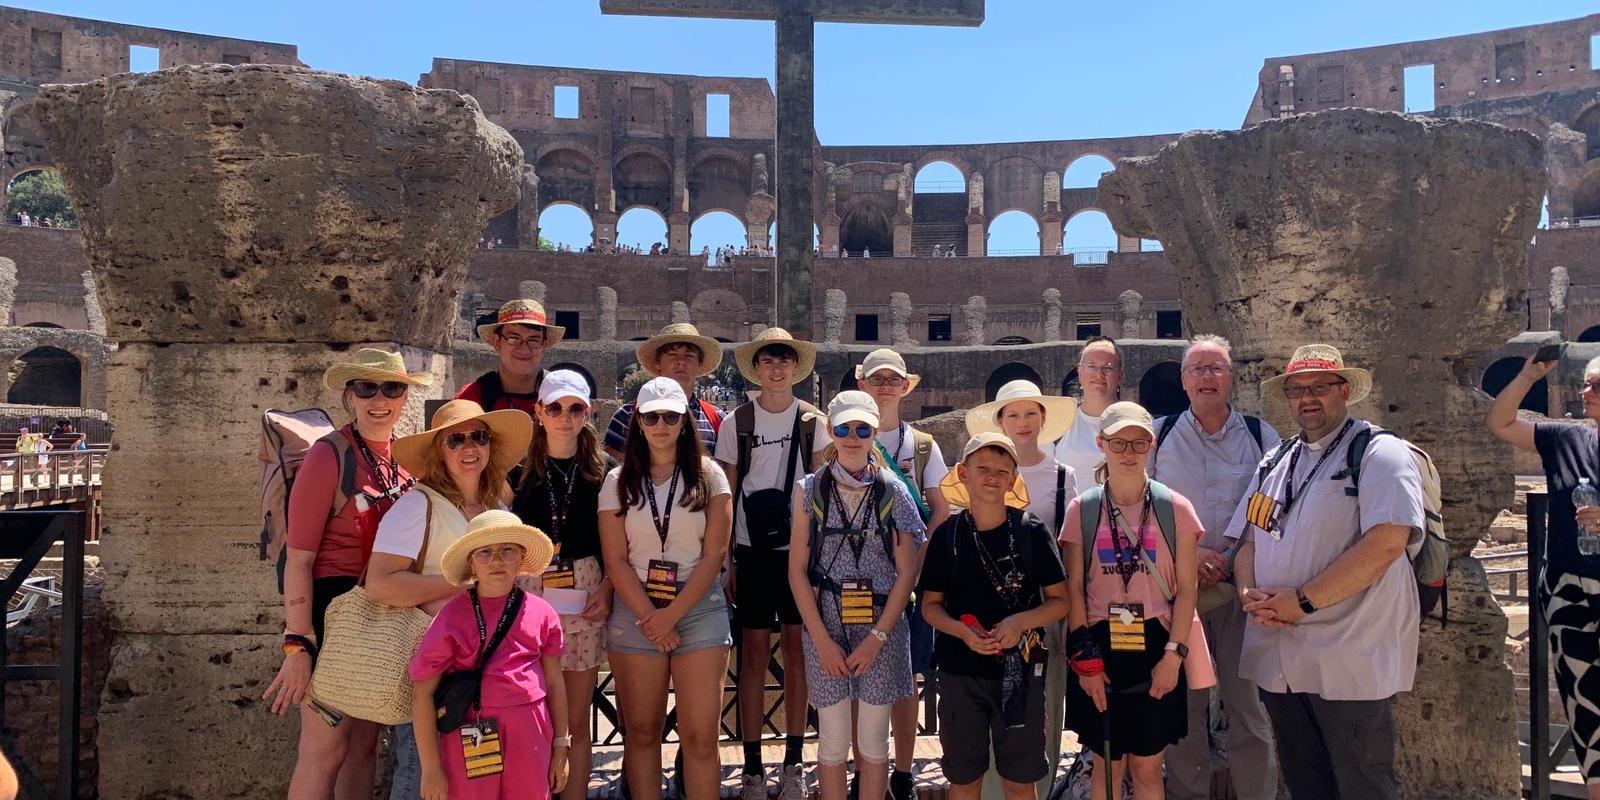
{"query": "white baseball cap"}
(561, 384)
(851, 406)
(661, 394)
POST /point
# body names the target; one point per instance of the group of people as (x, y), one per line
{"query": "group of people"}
(1081, 567)
(944, 251)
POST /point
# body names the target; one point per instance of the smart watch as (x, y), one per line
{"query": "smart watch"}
(880, 635)
(1305, 605)
(1180, 648)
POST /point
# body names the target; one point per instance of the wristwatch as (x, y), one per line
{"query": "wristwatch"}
(1180, 648)
(1305, 605)
(562, 741)
(880, 635)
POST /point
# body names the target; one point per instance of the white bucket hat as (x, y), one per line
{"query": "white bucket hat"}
(1059, 412)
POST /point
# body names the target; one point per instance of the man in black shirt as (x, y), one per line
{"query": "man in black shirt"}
(991, 581)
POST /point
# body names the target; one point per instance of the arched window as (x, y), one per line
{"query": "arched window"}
(641, 227)
(1501, 372)
(565, 224)
(715, 229)
(1084, 172)
(1161, 389)
(49, 377)
(865, 227)
(1089, 237)
(939, 177)
(1007, 373)
(1590, 334)
(1014, 233)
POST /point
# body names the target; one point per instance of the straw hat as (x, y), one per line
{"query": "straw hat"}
(491, 528)
(1319, 358)
(510, 430)
(372, 364)
(1059, 412)
(523, 312)
(680, 333)
(955, 490)
(885, 359)
(746, 354)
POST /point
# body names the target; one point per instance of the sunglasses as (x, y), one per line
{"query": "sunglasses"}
(574, 410)
(455, 440)
(1140, 446)
(508, 554)
(654, 418)
(862, 431)
(366, 390)
(1314, 389)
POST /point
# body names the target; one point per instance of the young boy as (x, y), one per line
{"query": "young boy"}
(772, 446)
(991, 581)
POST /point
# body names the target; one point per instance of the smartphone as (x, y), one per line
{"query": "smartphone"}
(1550, 351)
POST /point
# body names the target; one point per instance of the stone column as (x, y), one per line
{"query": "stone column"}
(605, 228)
(795, 34)
(91, 304)
(835, 310)
(312, 241)
(605, 301)
(8, 290)
(1400, 240)
(531, 290)
(1128, 311)
(977, 235)
(830, 234)
(680, 312)
(1050, 232)
(902, 235)
(678, 224)
(1052, 315)
(1560, 283)
(973, 316)
(900, 321)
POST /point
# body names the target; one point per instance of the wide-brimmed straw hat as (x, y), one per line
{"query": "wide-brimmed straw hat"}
(493, 528)
(1319, 358)
(510, 430)
(955, 490)
(1059, 412)
(746, 354)
(885, 359)
(648, 352)
(372, 364)
(523, 312)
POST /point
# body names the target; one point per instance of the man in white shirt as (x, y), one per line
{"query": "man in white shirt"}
(1208, 454)
(1100, 375)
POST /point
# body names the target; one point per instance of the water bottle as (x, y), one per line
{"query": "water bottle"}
(1585, 494)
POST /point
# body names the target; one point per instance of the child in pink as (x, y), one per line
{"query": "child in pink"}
(522, 690)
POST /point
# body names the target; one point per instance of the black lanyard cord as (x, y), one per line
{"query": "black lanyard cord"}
(1290, 494)
(663, 523)
(1135, 538)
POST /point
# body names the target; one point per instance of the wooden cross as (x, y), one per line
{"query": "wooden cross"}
(796, 61)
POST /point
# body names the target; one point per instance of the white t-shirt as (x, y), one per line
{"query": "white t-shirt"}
(401, 529)
(1077, 449)
(903, 448)
(768, 444)
(686, 532)
(1041, 481)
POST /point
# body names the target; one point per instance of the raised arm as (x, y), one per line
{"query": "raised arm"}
(1501, 417)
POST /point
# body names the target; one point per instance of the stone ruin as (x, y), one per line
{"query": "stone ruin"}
(246, 226)
(1401, 241)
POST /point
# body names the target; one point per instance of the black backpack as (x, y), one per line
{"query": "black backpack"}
(1164, 427)
(822, 489)
(491, 390)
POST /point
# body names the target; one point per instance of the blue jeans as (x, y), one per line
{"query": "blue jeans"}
(407, 783)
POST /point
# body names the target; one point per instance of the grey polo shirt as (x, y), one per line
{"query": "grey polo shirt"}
(1212, 470)
(1365, 647)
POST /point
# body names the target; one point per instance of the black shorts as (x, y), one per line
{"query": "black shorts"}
(970, 723)
(323, 590)
(1140, 724)
(762, 598)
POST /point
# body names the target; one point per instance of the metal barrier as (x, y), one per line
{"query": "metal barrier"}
(1512, 574)
(1542, 755)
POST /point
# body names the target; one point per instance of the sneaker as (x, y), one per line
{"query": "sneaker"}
(753, 787)
(901, 786)
(793, 784)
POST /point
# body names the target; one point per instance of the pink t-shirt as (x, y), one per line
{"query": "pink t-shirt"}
(514, 675)
(1104, 584)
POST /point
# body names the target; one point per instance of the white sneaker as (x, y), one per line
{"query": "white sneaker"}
(754, 787)
(793, 784)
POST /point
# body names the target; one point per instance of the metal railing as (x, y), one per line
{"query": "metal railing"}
(1513, 574)
(938, 187)
(52, 475)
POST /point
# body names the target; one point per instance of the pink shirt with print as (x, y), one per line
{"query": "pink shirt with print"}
(1103, 584)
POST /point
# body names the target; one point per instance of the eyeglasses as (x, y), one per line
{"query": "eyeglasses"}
(574, 410)
(1094, 368)
(1314, 389)
(518, 342)
(1202, 370)
(508, 554)
(896, 381)
(1140, 446)
(654, 418)
(1593, 386)
(456, 440)
(842, 431)
(366, 390)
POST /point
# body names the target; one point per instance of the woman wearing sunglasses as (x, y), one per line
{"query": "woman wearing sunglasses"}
(559, 494)
(852, 564)
(344, 486)
(664, 527)
(460, 466)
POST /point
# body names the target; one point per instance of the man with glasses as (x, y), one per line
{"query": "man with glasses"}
(519, 334)
(1322, 573)
(1208, 454)
(678, 352)
(1100, 376)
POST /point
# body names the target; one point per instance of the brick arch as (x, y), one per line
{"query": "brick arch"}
(643, 178)
(565, 144)
(719, 179)
(1013, 182)
(949, 157)
(565, 175)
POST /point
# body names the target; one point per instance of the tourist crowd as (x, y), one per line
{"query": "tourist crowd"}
(1081, 566)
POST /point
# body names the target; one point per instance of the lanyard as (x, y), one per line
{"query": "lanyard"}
(855, 522)
(1290, 494)
(1135, 539)
(388, 483)
(507, 615)
(662, 523)
(1009, 587)
(558, 512)
(900, 448)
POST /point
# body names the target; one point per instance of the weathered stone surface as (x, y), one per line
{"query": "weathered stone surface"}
(89, 348)
(91, 304)
(973, 317)
(680, 312)
(1051, 301)
(223, 203)
(605, 298)
(900, 320)
(835, 308)
(1560, 283)
(1401, 241)
(1128, 308)
(531, 290)
(8, 289)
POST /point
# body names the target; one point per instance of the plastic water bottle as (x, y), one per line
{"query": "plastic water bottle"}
(1585, 494)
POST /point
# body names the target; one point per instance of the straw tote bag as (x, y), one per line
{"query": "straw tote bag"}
(361, 670)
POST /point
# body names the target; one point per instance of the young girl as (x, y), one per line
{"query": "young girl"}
(511, 736)
(852, 569)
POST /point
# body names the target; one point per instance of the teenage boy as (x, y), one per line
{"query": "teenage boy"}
(771, 447)
(519, 334)
(678, 352)
(991, 581)
(915, 461)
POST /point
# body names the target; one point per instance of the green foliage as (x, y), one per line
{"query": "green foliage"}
(44, 197)
(547, 245)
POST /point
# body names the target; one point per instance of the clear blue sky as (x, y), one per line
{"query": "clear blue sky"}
(1036, 69)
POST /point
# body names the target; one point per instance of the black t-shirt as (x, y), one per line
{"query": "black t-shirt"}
(956, 566)
(579, 536)
(1569, 451)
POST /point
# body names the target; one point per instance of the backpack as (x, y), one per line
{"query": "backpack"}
(1431, 561)
(744, 422)
(1061, 496)
(822, 490)
(1089, 504)
(491, 390)
(286, 437)
(922, 444)
(1164, 427)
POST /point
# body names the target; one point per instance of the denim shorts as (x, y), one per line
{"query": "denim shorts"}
(706, 625)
